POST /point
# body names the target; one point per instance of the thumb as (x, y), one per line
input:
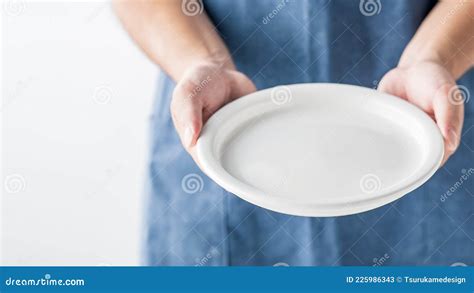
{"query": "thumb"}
(186, 112)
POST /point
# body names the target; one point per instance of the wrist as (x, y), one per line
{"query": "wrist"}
(220, 60)
(189, 62)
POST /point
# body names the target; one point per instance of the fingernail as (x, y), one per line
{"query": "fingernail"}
(452, 140)
(188, 136)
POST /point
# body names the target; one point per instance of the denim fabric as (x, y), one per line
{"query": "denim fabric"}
(192, 221)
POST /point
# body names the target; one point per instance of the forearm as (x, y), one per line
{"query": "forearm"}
(172, 39)
(445, 36)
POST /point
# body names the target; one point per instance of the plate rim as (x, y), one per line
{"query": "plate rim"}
(222, 177)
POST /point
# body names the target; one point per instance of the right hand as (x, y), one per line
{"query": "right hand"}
(203, 89)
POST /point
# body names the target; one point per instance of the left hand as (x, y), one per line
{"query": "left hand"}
(431, 87)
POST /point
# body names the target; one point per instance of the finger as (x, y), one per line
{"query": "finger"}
(392, 83)
(186, 111)
(449, 115)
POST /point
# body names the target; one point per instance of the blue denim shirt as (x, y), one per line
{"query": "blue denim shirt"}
(192, 221)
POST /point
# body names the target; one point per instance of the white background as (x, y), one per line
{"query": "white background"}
(76, 97)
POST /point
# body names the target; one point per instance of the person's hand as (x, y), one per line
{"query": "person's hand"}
(433, 89)
(204, 89)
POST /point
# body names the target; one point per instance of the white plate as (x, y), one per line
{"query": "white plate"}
(320, 149)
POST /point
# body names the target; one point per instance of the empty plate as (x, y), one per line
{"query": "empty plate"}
(320, 149)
